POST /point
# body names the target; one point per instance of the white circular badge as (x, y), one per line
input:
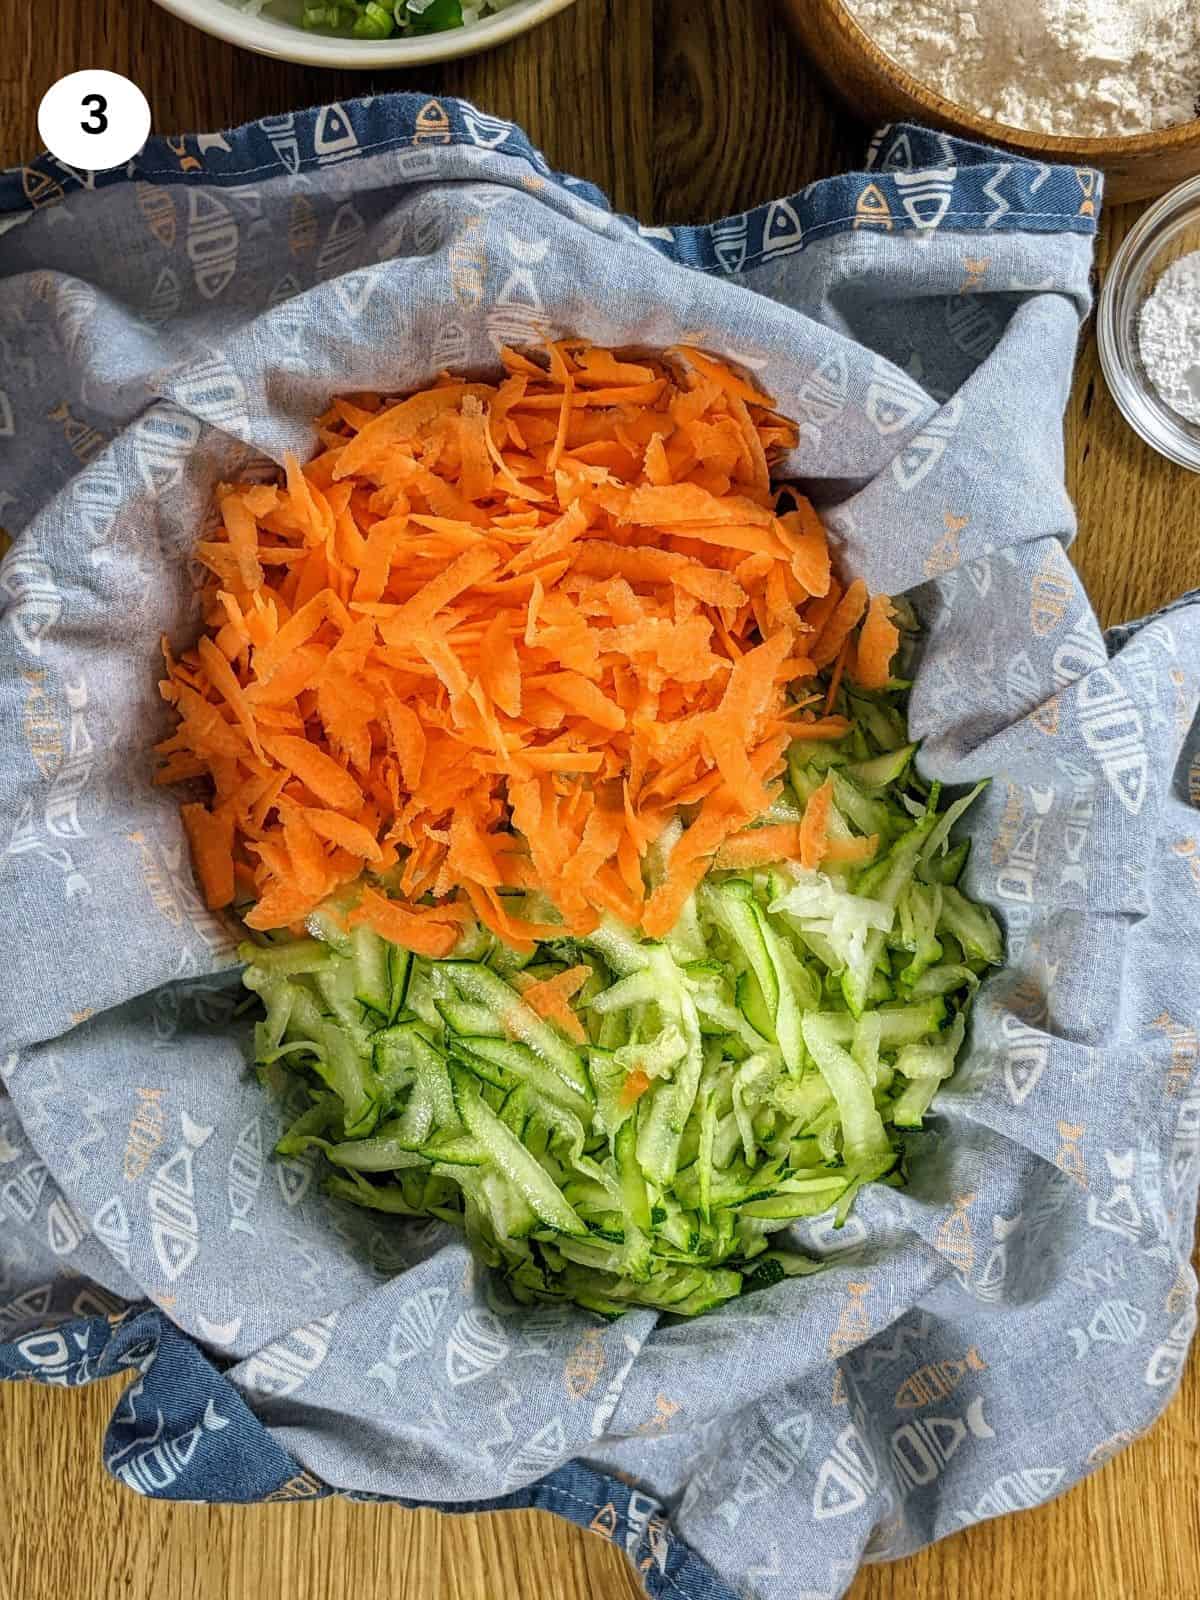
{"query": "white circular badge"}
(94, 120)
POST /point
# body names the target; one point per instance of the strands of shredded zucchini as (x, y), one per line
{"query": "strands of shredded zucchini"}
(621, 1121)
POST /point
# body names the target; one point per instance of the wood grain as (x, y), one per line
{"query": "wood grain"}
(681, 109)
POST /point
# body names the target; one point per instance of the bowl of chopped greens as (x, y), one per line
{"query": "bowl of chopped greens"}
(364, 33)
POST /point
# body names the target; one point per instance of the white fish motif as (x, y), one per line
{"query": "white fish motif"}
(920, 1449)
(211, 389)
(152, 1470)
(541, 1329)
(603, 1412)
(212, 242)
(993, 1275)
(175, 1228)
(49, 1351)
(65, 1228)
(163, 440)
(1185, 1146)
(38, 603)
(286, 1365)
(245, 1176)
(1120, 1213)
(29, 1306)
(355, 289)
(413, 1333)
(847, 1475)
(773, 1462)
(1167, 1362)
(343, 241)
(1014, 1491)
(23, 1193)
(294, 1175)
(93, 1113)
(537, 1456)
(110, 1224)
(1023, 687)
(477, 1343)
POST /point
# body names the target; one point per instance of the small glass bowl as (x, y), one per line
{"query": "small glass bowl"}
(1169, 230)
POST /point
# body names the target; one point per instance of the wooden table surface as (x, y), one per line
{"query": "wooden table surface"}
(681, 110)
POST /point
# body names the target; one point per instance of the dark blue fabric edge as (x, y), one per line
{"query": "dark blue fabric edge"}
(916, 180)
(182, 1431)
(1120, 633)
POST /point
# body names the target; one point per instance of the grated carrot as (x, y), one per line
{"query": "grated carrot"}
(814, 830)
(878, 639)
(550, 999)
(496, 636)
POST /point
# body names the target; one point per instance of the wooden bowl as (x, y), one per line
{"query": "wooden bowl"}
(876, 89)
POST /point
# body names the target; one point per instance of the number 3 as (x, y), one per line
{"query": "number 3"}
(97, 121)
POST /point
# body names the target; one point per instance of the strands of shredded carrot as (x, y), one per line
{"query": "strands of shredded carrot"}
(495, 637)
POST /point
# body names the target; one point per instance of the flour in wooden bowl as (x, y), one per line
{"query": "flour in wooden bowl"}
(1082, 68)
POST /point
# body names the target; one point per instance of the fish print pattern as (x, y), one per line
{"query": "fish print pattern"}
(146, 1227)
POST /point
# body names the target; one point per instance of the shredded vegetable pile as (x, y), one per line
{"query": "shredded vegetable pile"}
(596, 903)
(497, 637)
(628, 1122)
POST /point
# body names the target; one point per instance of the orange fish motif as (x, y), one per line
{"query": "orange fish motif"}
(585, 1365)
(605, 1521)
(944, 556)
(954, 1239)
(975, 268)
(853, 1328)
(1010, 822)
(302, 225)
(40, 723)
(1049, 595)
(40, 188)
(305, 1486)
(1188, 849)
(872, 210)
(85, 441)
(157, 206)
(1184, 1052)
(432, 125)
(1070, 1157)
(664, 1410)
(937, 1380)
(187, 163)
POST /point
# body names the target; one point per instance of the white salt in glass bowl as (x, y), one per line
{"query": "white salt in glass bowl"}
(1169, 230)
(276, 31)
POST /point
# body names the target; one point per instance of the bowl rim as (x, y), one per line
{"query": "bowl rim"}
(1026, 140)
(1149, 416)
(270, 36)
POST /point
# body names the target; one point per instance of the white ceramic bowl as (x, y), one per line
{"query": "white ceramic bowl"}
(273, 35)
